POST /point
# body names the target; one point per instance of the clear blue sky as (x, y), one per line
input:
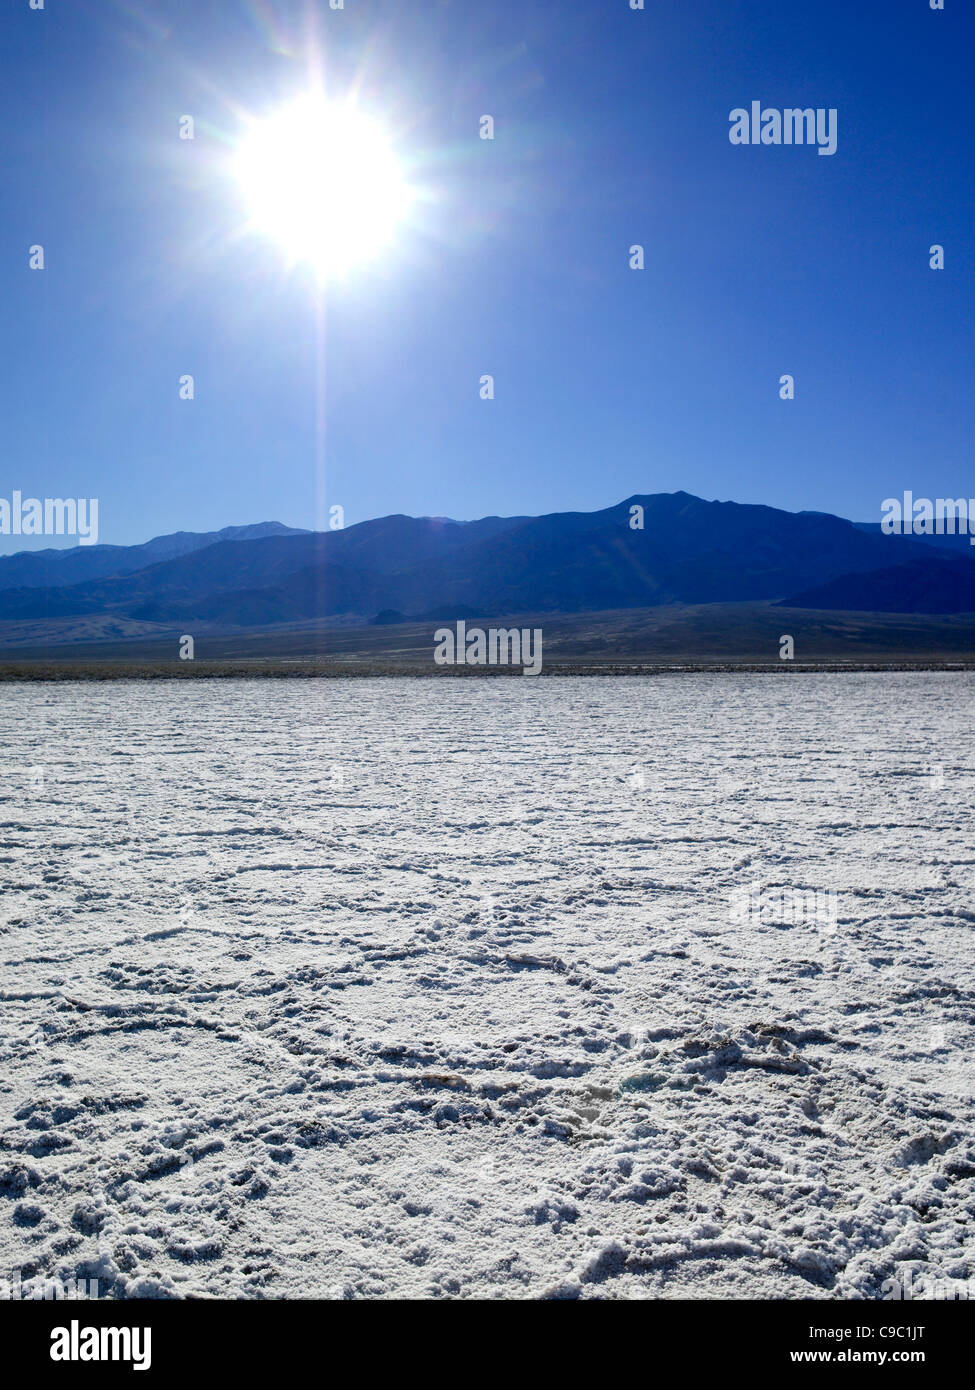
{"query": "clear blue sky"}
(611, 129)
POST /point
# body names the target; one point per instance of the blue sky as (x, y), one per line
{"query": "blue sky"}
(611, 129)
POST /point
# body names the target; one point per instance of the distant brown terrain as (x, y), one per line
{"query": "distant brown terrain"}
(741, 636)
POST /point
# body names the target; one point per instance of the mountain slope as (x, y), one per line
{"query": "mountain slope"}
(381, 547)
(926, 585)
(38, 569)
(688, 551)
(959, 542)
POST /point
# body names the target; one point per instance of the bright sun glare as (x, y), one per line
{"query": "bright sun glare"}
(323, 181)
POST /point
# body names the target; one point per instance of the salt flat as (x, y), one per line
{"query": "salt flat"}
(382, 988)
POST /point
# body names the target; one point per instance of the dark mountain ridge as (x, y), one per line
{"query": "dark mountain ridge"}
(52, 568)
(688, 551)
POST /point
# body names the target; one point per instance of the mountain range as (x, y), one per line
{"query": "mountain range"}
(39, 569)
(687, 551)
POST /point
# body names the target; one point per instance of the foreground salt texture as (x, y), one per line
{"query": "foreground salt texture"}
(429, 988)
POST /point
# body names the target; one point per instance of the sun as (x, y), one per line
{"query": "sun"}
(323, 180)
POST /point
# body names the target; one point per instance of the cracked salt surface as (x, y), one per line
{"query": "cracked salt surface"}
(385, 988)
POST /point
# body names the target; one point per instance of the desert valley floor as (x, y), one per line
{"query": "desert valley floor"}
(436, 988)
